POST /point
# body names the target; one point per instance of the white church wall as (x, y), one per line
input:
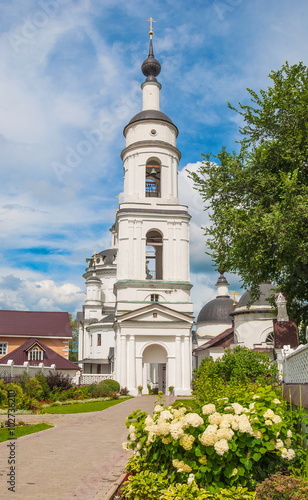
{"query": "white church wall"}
(252, 329)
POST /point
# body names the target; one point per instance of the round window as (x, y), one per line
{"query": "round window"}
(153, 131)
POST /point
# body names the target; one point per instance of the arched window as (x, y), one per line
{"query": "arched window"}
(270, 339)
(35, 354)
(152, 179)
(154, 256)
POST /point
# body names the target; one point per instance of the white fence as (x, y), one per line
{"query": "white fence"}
(295, 367)
(10, 370)
(90, 378)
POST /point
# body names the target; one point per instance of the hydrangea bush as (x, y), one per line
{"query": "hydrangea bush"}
(223, 444)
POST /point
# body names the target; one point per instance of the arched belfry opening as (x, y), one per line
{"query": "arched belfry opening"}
(152, 179)
(154, 255)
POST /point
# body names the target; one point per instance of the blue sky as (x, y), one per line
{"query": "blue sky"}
(69, 67)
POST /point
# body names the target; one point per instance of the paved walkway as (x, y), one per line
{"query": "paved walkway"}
(78, 459)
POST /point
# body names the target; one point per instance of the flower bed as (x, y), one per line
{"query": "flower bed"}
(224, 445)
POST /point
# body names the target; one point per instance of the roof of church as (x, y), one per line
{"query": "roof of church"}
(150, 114)
(224, 339)
(217, 311)
(35, 324)
(262, 302)
(20, 355)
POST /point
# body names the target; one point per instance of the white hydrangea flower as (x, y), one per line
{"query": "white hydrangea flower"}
(212, 428)
(234, 472)
(179, 412)
(257, 434)
(279, 444)
(268, 422)
(244, 424)
(288, 442)
(186, 441)
(268, 414)
(148, 420)
(191, 478)
(158, 408)
(255, 396)
(215, 418)
(289, 433)
(193, 419)
(181, 466)
(276, 401)
(163, 429)
(221, 447)
(276, 419)
(208, 438)
(252, 405)
(225, 434)
(289, 454)
(208, 409)
(238, 409)
(176, 430)
(125, 445)
(166, 415)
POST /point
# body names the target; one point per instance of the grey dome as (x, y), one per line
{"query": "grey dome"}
(217, 311)
(151, 67)
(107, 257)
(150, 114)
(266, 292)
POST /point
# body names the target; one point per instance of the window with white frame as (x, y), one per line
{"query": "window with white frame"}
(35, 354)
(3, 348)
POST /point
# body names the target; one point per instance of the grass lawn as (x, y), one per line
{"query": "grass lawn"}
(83, 407)
(22, 430)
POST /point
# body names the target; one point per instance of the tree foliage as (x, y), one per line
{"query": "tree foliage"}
(257, 197)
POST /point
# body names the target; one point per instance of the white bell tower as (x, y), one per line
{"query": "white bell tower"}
(153, 305)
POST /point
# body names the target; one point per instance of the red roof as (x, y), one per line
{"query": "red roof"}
(35, 324)
(224, 339)
(20, 355)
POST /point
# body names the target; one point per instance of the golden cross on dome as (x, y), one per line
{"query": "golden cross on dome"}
(151, 21)
(234, 294)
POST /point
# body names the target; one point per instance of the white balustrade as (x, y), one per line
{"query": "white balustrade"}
(295, 367)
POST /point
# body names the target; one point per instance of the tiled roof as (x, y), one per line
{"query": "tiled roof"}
(19, 356)
(35, 324)
(224, 339)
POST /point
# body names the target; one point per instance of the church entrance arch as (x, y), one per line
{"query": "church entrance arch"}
(154, 362)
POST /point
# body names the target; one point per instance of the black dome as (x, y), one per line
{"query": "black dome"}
(266, 292)
(151, 67)
(217, 311)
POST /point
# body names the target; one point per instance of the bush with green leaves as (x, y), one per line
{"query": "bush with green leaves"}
(232, 374)
(145, 485)
(113, 385)
(224, 444)
(281, 487)
(185, 492)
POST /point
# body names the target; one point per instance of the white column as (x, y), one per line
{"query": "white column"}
(178, 362)
(122, 367)
(186, 365)
(139, 371)
(131, 363)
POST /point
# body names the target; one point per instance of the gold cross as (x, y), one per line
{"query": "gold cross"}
(234, 294)
(151, 21)
(119, 196)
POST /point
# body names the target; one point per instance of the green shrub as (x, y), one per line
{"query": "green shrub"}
(45, 387)
(112, 384)
(145, 485)
(33, 388)
(185, 492)
(233, 374)
(235, 493)
(19, 395)
(279, 487)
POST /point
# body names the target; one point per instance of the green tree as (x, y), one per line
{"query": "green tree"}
(257, 197)
(73, 343)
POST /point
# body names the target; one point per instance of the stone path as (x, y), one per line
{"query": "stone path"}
(78, 459)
